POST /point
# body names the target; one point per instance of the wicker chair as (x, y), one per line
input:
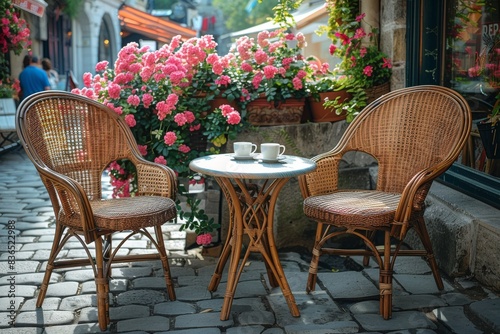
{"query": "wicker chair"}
(71, 140)
(415, 134)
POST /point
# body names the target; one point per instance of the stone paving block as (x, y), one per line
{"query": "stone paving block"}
(7, 248)
(128, 312)
(488, 311)
(316, 307)
(331, 327)
(74, 329)
(23, 330)
(115, 286)
(149, 283)
(14, 207)
(256, 318)
(131, 273)
(77, 302)
(421, 284)
(240, 305)
(174, 308)
(195, 331)
(37, 245)
(34, 279)
(44, 318)
(20, 240)
(35, 219)
(454, 318)
(456, 299)
(416, 302)
(243, 289)
(193, 293)
(22, 226)
(418, 331)
(19, 267)
(202, 320)
(49, 304)
(245, 329)
(10, 303)
(348, 284)
(44, 255)
(142, 297)
(19, 256)
(79, 275)
(367, 306)
(148, 324)
(399, 321)
(19, 290)
(62, 289)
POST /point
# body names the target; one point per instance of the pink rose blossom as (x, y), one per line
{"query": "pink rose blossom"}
(161, 160)
(180, 119)
(368, 71)
(184, 148)
(133, 100)
(101, 66)
(233, 118)
(130, 120)
(143, 149)
(204, 239)
(170, 138)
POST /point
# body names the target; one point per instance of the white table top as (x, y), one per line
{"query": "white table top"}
(224, 165)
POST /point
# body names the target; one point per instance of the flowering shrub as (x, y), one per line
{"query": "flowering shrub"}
(158, 95)
(14, 36)
(155, 93)
(9, 88)
(15, 33)
(273, 66)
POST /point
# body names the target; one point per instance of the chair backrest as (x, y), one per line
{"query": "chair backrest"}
(72, 135)
(409, 130)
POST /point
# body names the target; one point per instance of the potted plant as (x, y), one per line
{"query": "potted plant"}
(366, 68)
(274, 74)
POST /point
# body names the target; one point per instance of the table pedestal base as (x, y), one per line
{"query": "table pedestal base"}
(251, 209)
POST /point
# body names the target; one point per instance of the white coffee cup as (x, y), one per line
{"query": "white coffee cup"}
(272, 151)
(244, 148)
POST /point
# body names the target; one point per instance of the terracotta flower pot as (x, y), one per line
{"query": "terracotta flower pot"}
(263, 112)
(321, 114)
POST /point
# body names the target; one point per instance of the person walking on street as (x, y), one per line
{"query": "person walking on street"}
(51, 73)
(33, 79)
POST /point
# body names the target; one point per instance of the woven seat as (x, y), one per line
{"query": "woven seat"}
(71, 140)
(414, 134)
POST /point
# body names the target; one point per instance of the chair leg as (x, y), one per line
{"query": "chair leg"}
(102, 287)
(426, 242)
(366, 259)
(385, 279)
(313, 267)
(164, 261)
(50, 264)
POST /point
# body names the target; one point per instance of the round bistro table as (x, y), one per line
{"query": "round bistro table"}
(251, 188)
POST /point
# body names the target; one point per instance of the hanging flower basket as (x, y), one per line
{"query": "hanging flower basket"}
(263, 112)
(490, 137)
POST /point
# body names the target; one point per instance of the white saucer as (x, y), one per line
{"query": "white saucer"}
(240, 157)
(260, 158)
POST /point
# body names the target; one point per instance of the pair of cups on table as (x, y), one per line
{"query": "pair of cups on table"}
(269, 151)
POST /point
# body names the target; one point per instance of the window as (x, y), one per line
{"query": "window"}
(456, 43)
(105, 43)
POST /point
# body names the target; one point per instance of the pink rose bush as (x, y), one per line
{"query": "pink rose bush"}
(273, 66)
(158, 95)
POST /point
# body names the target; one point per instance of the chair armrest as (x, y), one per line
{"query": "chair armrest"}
(154, 179)
(324, 179)
(66, 193)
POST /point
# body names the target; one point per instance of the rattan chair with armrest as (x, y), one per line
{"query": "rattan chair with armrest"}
(71, 140)
(415, 134)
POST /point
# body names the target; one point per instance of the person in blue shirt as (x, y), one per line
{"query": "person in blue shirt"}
(33, 79)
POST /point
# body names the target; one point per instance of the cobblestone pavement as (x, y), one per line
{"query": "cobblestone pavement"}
(344, 302)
